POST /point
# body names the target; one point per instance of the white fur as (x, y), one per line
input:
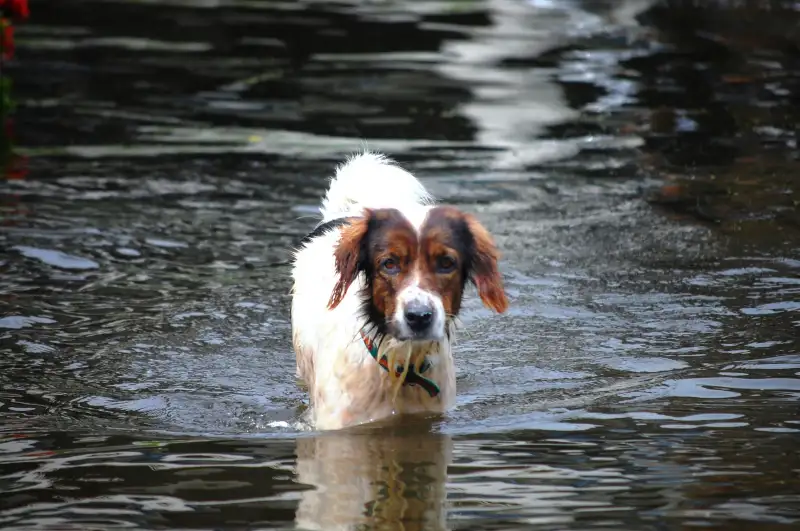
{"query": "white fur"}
(345, 383)
(375, 181)
(414, 294)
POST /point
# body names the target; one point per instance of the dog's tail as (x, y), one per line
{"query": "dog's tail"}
(370, 180)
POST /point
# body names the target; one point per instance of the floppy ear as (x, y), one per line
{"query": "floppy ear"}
(483, 271)
(349, 257)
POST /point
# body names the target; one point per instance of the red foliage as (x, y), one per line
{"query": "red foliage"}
(11, 9)
(12, 165)
(15, 8)
(7, 39)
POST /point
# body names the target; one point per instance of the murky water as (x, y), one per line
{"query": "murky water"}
(647, 375)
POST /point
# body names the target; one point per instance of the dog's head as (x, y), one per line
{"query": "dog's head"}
(416, 273)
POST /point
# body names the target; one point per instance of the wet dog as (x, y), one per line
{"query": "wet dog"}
(378, 285)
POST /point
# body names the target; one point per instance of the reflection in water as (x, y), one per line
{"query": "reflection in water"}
(512, 104)
(645, 377)
(511, 107)
(374, 478)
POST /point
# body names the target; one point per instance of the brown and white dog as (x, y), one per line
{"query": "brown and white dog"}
(377, 287)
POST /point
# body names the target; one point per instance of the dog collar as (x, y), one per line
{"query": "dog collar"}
(412, 378)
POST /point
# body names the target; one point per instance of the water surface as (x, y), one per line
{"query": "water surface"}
(646, 376)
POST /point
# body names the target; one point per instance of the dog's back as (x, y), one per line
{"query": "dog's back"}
(373, 181)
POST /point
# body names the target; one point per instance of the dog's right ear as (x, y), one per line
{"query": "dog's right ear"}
(349, 256)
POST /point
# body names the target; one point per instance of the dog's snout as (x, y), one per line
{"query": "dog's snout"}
(419, 316)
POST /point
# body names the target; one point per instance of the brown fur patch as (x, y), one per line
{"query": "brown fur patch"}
(383, 237)
(438, 246)
(453, 248)
(485, 273)
(448, 232)
(392, 240)
(347, 257)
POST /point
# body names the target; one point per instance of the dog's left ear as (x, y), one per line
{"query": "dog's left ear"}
(349, 257)
(483, 271)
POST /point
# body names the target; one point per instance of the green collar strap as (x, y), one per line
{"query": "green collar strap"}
(412, 378)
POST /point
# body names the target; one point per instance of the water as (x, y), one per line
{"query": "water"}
(637, 166)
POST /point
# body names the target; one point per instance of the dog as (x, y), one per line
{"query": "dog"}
(377, 288)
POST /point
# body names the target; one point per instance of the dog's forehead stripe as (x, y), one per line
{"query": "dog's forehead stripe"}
(442, 223)
(390, 226)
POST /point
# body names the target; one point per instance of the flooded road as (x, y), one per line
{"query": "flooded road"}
(637, 164)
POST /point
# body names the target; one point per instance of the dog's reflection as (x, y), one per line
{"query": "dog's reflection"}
(389, 477)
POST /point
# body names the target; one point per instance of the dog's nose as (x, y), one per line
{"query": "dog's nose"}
(419, 317)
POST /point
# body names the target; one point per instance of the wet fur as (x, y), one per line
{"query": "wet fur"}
(445, 228)
(346, 385)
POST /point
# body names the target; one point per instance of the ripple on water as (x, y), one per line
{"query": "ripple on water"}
(57, 259)
(772, 308)
(12, 322)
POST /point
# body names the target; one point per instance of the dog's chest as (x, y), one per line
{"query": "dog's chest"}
(357, 392)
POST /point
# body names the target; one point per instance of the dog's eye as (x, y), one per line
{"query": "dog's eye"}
(391, 266)
(445, 264)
